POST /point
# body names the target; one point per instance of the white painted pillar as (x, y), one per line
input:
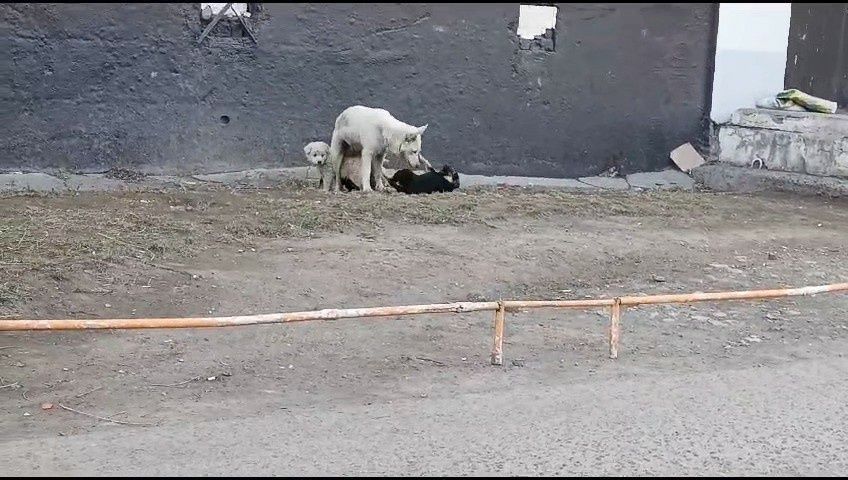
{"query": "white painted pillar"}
(750, 60)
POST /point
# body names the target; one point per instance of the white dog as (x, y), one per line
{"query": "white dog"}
(373, 133)
(317, 154)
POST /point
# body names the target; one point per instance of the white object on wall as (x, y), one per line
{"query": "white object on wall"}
(241, 8)
(533, 20)
(750, 59)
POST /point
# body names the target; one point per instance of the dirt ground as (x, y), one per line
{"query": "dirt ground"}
(216, 251)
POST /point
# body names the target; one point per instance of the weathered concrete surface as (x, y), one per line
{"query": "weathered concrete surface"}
(790, 121)
(96, 182)
(609, 183)
(270, 178)
(664, 180)
(475, 180)
(88, 88)
(43, 182)
(30, 182)
(801, 142)
(260, 178)
(729, 178)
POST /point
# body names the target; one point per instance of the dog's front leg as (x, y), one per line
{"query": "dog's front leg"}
(365, 170)
(322, 176)
(377, 172)
(335, 159)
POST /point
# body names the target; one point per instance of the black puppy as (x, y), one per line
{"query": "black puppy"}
(351, 187)
(407, 181)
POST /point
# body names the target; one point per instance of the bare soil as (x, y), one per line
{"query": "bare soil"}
(215, 251)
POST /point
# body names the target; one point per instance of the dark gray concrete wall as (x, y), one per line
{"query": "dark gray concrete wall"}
(817, 57)
(87, 87)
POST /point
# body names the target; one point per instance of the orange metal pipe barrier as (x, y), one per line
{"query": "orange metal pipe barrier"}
(201, 322)
(744, 295)
(616, 306)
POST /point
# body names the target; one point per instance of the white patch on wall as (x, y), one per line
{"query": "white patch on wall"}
(241, 8)
(750, 60)
(533, 20)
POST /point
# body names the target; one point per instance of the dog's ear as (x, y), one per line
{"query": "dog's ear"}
(422, 129)
(307, 149)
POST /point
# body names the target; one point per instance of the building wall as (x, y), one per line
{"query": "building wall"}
(91, 86)
(817, 61)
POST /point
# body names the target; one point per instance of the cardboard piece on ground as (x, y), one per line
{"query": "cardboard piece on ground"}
(686, 158)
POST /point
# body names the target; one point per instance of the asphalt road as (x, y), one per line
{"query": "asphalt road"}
(785, 420)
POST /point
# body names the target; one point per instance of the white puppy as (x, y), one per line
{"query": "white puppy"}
(317, 154)
(373, 133)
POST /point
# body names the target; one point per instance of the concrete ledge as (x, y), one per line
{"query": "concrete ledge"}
(789, 121)
(260, 178)
(665, 180)
(609, 183)
(729, 178)
(477, 180)
(24, 182)
(270, 178)
(95, 182)
(801, 142)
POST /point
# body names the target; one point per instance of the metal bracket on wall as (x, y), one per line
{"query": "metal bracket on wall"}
(214, 22)
(218, 17)
(244, 24)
